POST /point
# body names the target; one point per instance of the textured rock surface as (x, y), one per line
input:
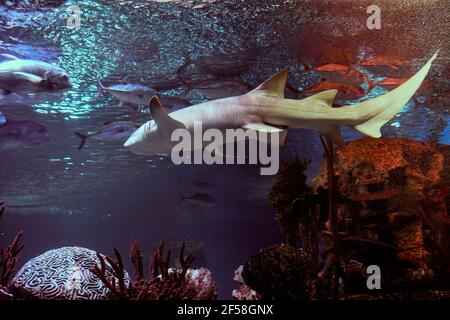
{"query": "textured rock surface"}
(64, 273)
(281, 272)
(33, 4)
(396, 192)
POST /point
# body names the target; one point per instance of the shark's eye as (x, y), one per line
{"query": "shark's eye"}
(65, 77)
(140, 95)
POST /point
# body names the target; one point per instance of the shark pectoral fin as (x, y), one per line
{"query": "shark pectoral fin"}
(262, 127)
(272, 87)
(29, 77)
(162, 118)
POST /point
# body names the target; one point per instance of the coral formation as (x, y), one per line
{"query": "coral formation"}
(75, 273)
(244, 292)
(392, 212)
(164, 283)
(281, 272)
(399, 204)
(64, 274)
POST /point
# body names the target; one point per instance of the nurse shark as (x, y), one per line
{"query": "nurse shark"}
(265, 109)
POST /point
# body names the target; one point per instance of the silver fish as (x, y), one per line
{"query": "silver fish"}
(114, 131)
(197, 198)
(25, 75)
(132, 93)
(14, 134)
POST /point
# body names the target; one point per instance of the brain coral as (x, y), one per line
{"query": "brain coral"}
(64, 274)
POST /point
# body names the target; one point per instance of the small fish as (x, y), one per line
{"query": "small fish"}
(346, 91)
(28, 75)
(197, 198)
(131, 93)
(339, 73)
(390, 83)
(114, 131)
(387, 66)
(216, 89)
(14, 134)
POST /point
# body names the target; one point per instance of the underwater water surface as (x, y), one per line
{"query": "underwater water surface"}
(103, 196)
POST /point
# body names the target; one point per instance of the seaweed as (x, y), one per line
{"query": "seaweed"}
(289, 192)
(332, 211)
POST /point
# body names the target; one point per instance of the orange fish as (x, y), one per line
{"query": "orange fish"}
(340, 73)
(389, 83)
(346, 91)
(384, 65)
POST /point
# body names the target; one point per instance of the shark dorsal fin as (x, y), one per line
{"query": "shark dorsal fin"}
(326, 97)
(272, 87)
(162, 118)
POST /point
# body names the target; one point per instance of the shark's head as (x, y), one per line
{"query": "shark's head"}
(154, 136)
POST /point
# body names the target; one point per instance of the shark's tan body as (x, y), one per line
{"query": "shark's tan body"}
(266, 109)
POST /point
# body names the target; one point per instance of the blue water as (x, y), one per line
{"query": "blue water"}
(103, 196)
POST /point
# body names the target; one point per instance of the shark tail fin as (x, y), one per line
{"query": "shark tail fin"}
(83, 138)
(378, 111)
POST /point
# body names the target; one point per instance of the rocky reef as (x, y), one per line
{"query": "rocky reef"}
(393, 200)
(281, 272)
(395, 195)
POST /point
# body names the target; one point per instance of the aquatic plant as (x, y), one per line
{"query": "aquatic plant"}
(290, 188)
(164, 283)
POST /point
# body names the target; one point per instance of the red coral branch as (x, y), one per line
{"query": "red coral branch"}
(9, 257)
(136, 259)
(162, 284)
